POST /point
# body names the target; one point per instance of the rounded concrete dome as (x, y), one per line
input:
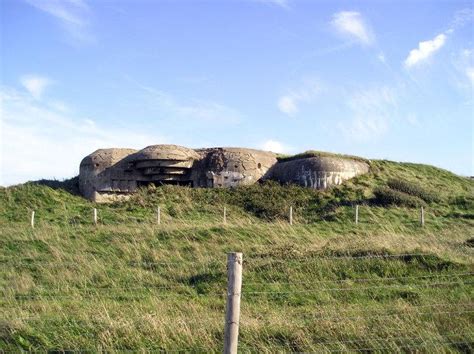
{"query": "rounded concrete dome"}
(104, 158)
(166, 152)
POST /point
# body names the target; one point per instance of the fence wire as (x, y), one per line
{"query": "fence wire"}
(134, 293)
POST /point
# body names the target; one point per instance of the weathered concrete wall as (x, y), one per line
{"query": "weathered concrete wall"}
(96, 171)
(231, 167)
(317, 172)
(113, 174)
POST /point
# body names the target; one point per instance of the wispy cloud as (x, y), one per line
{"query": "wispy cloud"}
(466, 64)
(195, 109)
(351, 24)
(463, 76)
(32, 152)
(413, 120)
(291, 101)
(461, 18)
(281, 3)
(72, 15)
(470, 74)
(288, 105)
(35, 84)
(425, 50)
(274, 146)
(371, 114)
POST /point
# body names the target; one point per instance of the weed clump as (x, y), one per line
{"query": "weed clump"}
(386, 196)
(464, 202)
(412, 189)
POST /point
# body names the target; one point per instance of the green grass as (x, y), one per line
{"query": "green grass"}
(315, 153)
(323, 284)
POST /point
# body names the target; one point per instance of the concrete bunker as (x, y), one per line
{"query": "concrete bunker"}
(317, 172)
(111, 174)
(163, 164)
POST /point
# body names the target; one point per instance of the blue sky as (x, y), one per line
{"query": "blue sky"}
(380, 79)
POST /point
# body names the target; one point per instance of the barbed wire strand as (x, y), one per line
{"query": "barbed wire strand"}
(194, 286)
(435, 305)
(163, 294)
(391, 338)
(250, 259)
(359, 279)
(355, 288)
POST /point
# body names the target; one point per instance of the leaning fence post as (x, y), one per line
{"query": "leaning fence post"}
(32, 220)
(422, 217)
(225, 215)
(158, 215)
(291, 215)
(357, 215)
(232, 315)
(95, 216)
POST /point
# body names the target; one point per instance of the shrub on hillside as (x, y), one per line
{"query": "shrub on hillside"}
(463, 202)
(386, 196)
(70, 185)
(412, 189)
(270, 200)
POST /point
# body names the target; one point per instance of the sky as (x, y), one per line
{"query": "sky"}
(380, 79)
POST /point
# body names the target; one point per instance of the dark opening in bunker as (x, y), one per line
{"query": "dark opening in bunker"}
(162, 183)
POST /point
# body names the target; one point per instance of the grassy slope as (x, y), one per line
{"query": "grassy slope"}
(129, 283)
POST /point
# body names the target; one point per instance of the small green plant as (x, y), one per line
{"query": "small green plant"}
(412, 189)
(464, 202)
(386, 196)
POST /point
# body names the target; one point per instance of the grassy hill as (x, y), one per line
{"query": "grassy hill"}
(323, 284)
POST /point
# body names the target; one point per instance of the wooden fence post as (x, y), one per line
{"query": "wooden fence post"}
(232, 315)
(158, 215)
(291, 215)
(95, 216)
(32, 220)
(422, 217)
(357, 215)
(225, 215)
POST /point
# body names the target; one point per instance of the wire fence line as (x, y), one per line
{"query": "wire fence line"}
(467, 308)
(160, 290)
(322, 256)
(156, 216)
(360, 280)
(307, 319)
(15, 261)
(423, 345)
(130, 293)
(60, 263)
(388, 337)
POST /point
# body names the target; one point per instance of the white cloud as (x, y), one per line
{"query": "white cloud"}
(41, 142)
(35, 84)
(73, 16)
(425, 50)
(381, 57)
(287, 105)
(371, 114)
(290, 102)
(275, 146)
(470, 74)
(353, 25)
